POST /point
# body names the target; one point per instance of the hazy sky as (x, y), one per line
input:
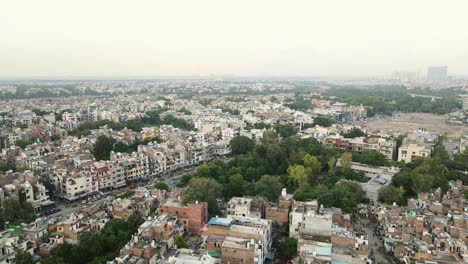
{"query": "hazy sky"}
(197, 37)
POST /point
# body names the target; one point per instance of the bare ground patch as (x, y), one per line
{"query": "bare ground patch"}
(412, 121)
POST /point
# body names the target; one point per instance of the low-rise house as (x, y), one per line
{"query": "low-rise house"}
(71, 228)
(417, 144)
(193, 215)
(251, 236)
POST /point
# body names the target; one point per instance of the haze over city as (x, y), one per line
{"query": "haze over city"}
(233, 132)
(54, 38)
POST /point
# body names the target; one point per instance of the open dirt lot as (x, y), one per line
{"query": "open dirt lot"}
(412, 121)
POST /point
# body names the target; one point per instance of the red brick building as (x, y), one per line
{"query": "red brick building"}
(193, 215)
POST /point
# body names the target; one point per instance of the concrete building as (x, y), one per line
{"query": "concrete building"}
(241, 206)
(187, 256)
(386, 147)
(437, 73)
(192, 215)
(279, 213)
(379, 177)
(417, 144)
(238, 251)
(411, 152)
(305, 221)
(70, 228)
(239, 239)
(78, 185)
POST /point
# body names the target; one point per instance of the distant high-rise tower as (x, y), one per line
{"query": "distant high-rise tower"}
(437, 73)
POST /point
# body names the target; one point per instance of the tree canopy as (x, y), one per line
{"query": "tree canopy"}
(309, 171)
(385, 100)
(241, 145)
(370, 157)
(180, 242)
(15, 212)
(161, 186)
(97, 247)
(391, 194)
(354, 132)
(204, 190)
(288, 248)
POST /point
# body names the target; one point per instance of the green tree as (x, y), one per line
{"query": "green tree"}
(311, 192)
(391, 194)
(346, 195)
(460, 161)
(23, 257)
(235, 186)
(441, 155)
(5, 166)
(371, 157)
(288, 248)
(54, 137)
(346, 159)
(331, 166)
(312, 164)
(323, 121)
(17, 213)
(300, 104)
(161, 186)
(270, 137)
(296, 156)
(177, 122)
(403, 179)
(204, 190)
(422, 182)
(286, 130)
(268, 187)
(39, 112)
(354, 132)
(297, 174)
(436, 170)
(97, 247)
(180, 242)
(262, 125)
(103, 148)
(241, 145)
(23, 144)
(184, 111)
(126, 194)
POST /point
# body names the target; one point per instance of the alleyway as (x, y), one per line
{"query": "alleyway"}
(375, 245)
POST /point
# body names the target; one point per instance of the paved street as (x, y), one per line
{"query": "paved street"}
(375, 245)
(68, 208)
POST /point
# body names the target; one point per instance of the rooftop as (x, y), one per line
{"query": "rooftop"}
(220, 221)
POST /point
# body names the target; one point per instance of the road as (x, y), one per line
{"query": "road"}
(68, 208)
(375, 245)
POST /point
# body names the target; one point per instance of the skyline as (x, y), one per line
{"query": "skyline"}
(118, 39)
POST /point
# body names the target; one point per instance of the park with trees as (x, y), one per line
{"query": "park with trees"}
(308, 170)
(301, 165)
(386, 100)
